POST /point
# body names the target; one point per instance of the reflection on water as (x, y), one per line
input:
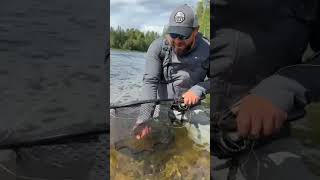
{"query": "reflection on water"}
(181, 159)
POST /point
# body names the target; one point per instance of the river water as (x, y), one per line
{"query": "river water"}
(126, 71)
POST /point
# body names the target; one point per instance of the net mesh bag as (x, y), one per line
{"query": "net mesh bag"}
(123, 119)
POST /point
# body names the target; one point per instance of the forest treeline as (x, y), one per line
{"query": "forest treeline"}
(131, 39)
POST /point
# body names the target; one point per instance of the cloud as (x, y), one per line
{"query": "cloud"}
(144, 14)
(122, 2)
(155, 28)
(165, 14)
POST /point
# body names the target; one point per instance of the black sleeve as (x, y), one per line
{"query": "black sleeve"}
(292, 87)
(307, 75)
(315, 31)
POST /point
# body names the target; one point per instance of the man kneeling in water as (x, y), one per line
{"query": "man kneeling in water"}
(177, 66)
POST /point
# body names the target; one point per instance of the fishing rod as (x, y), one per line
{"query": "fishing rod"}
(139, 102)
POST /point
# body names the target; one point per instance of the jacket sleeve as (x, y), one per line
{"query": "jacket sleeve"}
(151, 78)
(202, 88)
(152, 71)
(292, 87)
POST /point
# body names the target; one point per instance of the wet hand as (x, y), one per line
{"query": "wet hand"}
(141, 130)
(190, 98)
(257, 116)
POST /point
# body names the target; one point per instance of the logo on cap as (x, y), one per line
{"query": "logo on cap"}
(179, 17)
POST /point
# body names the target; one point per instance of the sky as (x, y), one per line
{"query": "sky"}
(145, 15)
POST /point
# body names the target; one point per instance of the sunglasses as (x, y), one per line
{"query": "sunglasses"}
(181, 37)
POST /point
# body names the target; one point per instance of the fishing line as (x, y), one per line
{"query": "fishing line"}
(297, 65)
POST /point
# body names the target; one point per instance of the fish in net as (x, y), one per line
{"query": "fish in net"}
(123, 119)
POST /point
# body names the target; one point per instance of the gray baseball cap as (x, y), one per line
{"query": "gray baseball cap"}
(182, 21)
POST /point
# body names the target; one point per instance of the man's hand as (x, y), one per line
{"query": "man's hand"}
(141, 130)
(256, 116)
(190, 98)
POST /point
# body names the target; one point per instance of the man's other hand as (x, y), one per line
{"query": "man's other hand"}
(257, 116)
(190, 98)
(141, 130)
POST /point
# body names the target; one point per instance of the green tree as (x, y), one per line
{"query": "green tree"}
(203, 13)
(131, 39)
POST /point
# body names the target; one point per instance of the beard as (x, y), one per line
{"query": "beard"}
(181, 50)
